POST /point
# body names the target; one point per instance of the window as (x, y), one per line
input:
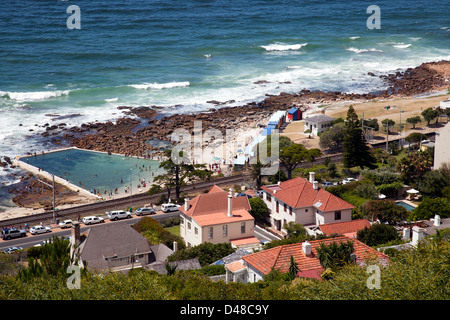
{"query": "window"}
(225, 231)
(277, 209)
(189, 225)
(268, 197)
(181, 220)
(285, 207)
(337, 215)
(211, 233)
(195, 231)
(243, 227)
(290, 211)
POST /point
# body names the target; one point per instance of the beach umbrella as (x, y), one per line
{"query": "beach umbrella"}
(413, 191)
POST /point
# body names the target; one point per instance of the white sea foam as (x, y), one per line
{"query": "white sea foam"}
(33, 96)
(112, 100)
(356, 50)
(159, 86)
(284, 47)
(354, 38)
(402, 45)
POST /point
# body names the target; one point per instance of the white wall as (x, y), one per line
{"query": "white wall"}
(441, 149)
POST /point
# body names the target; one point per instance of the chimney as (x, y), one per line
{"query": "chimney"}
(406, 234)
(186, 204)
(437, 220)
(230, 203)
(418, 234)
(175, 246)
(312, 177)
(306, 246)
(76, 233)
(315, 185)
(279, 182)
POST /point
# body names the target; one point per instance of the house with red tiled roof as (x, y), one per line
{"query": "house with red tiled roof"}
(346, 228)
(218, 216)
(303, 202)
(253, 267)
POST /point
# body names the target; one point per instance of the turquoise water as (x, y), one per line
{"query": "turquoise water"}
(408, 207)
(93, 170)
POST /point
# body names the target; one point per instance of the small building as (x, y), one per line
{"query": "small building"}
(115, 247)
(253, 267)
(318, 123)
(294, 114)
(303, 202)
(346, 228)
(217, 217)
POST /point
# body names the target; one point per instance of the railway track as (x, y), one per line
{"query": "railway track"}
(135, 200)
(106, 205)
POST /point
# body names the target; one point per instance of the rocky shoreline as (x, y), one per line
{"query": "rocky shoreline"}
(130, 134)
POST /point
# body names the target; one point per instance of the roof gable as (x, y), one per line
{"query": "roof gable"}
(279, 257)
(299, 192)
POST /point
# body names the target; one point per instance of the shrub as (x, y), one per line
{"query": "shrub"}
(377, 234)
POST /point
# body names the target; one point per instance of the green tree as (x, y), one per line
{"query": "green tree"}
(255, 172)
(388, 123)
(413, 120)
(377, 234)
(385, 210)
(333, 138)
(179, 173)
(334, 255)
(293, 269)
(433, 182)
(295, 230)
(259, 207)
(292, 156)
(429, 207)
(430, 114)
(356, 151)
(415, 137)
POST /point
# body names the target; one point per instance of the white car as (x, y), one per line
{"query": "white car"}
(167, 207)
(92, 220)
(348, 180)
(327, 184)
(12, 249)
(39, 229)
(119, 214)
(144, 210)
(66, 224)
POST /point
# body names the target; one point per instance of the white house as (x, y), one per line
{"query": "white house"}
(216, 217)
(441, 149)
(303, 202)
(318, 123)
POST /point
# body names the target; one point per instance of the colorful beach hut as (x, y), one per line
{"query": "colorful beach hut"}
(294, 114)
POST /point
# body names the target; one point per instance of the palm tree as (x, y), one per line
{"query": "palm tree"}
(255, 172)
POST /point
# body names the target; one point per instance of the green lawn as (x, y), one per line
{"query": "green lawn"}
(174, 230)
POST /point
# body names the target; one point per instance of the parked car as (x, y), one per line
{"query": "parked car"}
(13, 233)
(66, 224)
(42, 243)
(119, 214)
(12, 249)
(327, 184)
(144, 210)
(348, 180)
(167, 207)
(92, 220)
(39, 229)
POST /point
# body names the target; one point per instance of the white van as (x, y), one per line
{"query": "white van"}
(119, 214)
(167, 207)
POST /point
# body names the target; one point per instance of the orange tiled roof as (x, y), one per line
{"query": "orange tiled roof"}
(299, 192)
(243, 241)
(345, 228)
(279, 257)
(235, 266)
(212, 208)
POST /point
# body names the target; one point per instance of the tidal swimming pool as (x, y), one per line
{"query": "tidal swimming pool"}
(97, 171)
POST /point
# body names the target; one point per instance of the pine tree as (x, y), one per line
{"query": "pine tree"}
(356, 150)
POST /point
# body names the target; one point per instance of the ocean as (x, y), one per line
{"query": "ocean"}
(181, 54)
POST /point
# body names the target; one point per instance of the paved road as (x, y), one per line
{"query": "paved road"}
(31, 240)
